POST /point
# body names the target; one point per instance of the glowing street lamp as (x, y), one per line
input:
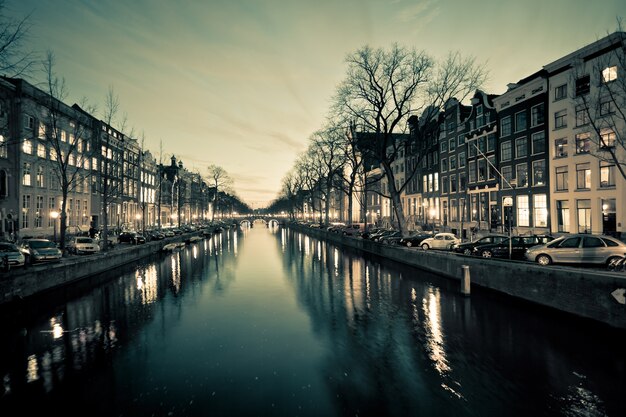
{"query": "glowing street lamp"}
(54, 215)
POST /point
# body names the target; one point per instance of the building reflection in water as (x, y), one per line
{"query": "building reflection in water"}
(86, 330)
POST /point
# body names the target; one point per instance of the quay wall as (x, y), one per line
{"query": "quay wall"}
(583, 292)
(27, 281)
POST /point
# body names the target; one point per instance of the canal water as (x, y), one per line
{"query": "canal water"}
(271, 322)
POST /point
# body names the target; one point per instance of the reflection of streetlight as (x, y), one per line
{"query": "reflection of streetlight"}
(54, 215)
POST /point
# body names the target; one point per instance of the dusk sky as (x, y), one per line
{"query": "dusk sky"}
(243, 84)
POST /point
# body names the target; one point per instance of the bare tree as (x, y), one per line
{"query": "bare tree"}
(14, 60)
(68, 135)
(383, 88)
(600, 100)
(221, 181)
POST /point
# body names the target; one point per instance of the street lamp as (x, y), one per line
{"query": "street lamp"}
(54, 215)
(137, 218)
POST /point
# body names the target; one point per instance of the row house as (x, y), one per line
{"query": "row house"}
(586, 132)
(524, 199)
(48, 147)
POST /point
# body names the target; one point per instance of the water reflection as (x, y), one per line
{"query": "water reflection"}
(287, 325)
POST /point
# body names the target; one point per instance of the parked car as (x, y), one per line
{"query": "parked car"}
(13, 255)
(131, 237)
(414, 240)
(351, 230)
(467, 248)
(84, 245)
(578, 249)
(155, 235)
(518, 246)
(391, 239)
(440, 241)
(372, 231)
(40, 250)
(380, 236)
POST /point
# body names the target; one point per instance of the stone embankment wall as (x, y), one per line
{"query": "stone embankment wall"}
(580, 291)
(21, 283)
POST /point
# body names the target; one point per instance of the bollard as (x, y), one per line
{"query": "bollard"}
(465, 280)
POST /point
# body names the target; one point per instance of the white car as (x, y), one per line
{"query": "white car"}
(440, 241)
(85, 245)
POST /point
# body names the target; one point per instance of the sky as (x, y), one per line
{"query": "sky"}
(243, 84)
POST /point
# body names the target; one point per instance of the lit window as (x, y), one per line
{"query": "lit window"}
(3, 147)
(523, 212)
(583, 176)
(561, 178)
(607, 138)
(26, 175)
(583, 143)
(607, 174)
(609, 74)
(540, 206)
(560, 148)
(539, 169)
(27, 147)
(41, 150)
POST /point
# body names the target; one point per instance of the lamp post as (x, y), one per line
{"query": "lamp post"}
(54, 215)
(137, 218)
(432, 213)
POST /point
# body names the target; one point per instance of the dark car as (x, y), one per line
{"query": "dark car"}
(40, 250)
(414, 240)
(518, 246)
(10, 255)
(131, 237)
(467, 248)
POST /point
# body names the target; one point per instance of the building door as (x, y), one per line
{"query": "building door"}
(608, 217)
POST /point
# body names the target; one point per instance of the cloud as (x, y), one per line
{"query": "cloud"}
(421, 12)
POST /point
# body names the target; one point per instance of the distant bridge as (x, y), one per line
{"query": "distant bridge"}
(266, 220)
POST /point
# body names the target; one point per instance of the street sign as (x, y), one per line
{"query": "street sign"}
(507, 202)
(618, 294)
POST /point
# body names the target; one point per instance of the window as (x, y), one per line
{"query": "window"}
(607, 174)
(537, 115)
(27, 147)
(41, 150)
(523, 211)
(540, 207)
(436, 181)
(560, 148)
(539, 142)
(560, 92)
(471, 146)
(561, 178)
(607, 106)
(521, 174)
(462, 160)
(444, 146)
(583, 143)
(453, 184)
(505, 151)
(583, 176)
(491, 142)
(472, 171)
(582, 85)
(4, 184)
(520, 121)
(582, 116)
(507, 176)
(41, 134)
(29, 122)
(539, 172)
(40, 182)
(444, 184)
(462, 181)
(482, 169)
(505, 126)
(521, 147)
(560, 119)
(444, 165)
(26, 174)
(562, 215)
(482, 144)
(490, 169)
(461, 139)
(583, 208)
(607, 138)
(3, 147)
(452, 162)
(609, 74)
(452, 145)
(25, 210)
(39, 211)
